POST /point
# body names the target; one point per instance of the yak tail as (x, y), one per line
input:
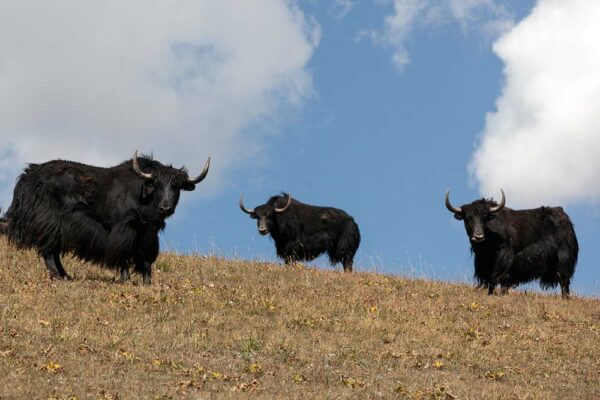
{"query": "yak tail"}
(569, 247)
(347, 244)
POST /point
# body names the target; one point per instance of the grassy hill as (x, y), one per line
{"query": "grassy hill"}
(216, 328)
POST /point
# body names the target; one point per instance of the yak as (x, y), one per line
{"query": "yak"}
(518, 246)
(303, 232)
(111, 216)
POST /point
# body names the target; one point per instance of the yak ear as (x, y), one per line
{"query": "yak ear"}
(188, 187)
(458, 216)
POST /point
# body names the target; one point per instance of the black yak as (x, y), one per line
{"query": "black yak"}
(111, 216)
(303, 232)
(517, 246)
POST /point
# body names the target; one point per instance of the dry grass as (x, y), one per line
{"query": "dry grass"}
(217, 328)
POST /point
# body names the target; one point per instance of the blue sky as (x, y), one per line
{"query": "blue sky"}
(384, 145)
(345, 126)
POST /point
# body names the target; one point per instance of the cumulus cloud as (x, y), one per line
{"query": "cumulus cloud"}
(486, 16)
(542, 144)
(92, 81)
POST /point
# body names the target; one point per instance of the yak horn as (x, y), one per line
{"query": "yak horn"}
(450, 207)
(500, 206)
(136, 168)
(202, 175)
(280, 210)
(244, 209)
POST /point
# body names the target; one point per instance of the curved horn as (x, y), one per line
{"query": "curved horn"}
(450, 207)
(202, 175)
(244, 209)
(501, 205)
(280, 210)
(136, 168)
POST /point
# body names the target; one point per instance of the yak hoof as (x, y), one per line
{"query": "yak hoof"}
(59, 277)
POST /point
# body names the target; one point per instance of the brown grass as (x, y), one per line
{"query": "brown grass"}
(217, 328)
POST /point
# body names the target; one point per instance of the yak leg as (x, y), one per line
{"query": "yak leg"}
(503, 290)
(124, 273)
(565, 265)
(55, 271)
(564, 288)
(491, 287)
(347, 265)
(147, 273)
(51, 266)
(289, 260)
(145, 267)
(293, 251)
(60, 268)
(146, 254)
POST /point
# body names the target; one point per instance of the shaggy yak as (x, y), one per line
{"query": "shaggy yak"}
(111, 216)
(517, 246)
(303, 232)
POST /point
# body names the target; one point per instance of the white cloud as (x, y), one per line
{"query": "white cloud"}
(92, 81)
(486, 16)
(542, 145)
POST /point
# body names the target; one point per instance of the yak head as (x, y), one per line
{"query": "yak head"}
(476, 215)
(162, 184)
(265, 214)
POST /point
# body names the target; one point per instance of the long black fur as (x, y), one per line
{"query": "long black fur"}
(521, 246)
(303, 232)
(110, 216)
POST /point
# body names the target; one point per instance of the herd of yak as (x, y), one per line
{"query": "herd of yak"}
(112, 216)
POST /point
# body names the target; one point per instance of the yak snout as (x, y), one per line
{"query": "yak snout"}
(477, 238)
(263, 226)
(477, 234)
(165, 207)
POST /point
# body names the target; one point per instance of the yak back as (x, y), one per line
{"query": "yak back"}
(521, 228)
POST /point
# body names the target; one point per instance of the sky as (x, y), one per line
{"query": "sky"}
(375, 107)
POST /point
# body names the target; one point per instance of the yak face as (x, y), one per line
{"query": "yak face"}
(265, 218)
(163, 191)
(476, 216)
(266, 214)
(162, 185)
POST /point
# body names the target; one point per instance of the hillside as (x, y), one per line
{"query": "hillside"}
(218, 328)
